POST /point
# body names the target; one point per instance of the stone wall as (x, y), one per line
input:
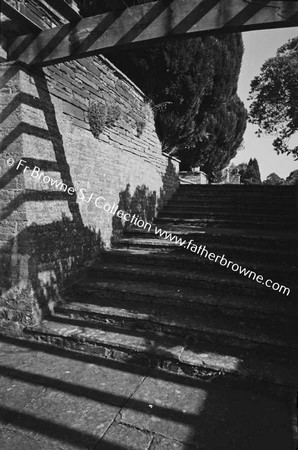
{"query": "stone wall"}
(49, 231)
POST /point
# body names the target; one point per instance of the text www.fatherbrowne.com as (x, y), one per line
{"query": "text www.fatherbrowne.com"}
(101, 203)
(201, 250)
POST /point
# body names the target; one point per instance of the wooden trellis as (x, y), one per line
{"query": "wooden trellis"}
(136, 25)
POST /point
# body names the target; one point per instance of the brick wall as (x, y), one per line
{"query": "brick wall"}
(47, 235)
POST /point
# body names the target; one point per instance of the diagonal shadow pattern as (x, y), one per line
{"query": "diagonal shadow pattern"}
(85, 242)
(53, 430)
(241, 418)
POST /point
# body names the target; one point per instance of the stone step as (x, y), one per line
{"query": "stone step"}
(283, 258)
(283, 205)
(226, 223)
(271, 190)
(151, 349)
(271, 197)
(275, 240)
(192, 326)
(231, 216)
(118, 293)
(270, 210)
(254, 202)
(245, 192)
(193, 261)
(229, 281)
(240, 198)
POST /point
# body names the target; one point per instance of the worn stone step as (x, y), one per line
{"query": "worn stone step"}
(211, 193)
(209, 280)
(245, 193)
(237, 188)
(282, 206)
(238, 196)
(234, 216)
(257, 204)
(163, 246)
(193, 261)
(119, 292)
(226, 223)
(260, 335)
(239, 199)
(285, 240)
(231, 207)
(200, 359)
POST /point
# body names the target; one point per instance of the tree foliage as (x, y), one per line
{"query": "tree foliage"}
(274, 95)
(250, 173)
(292, 179)
(274, 180)
(192, 84)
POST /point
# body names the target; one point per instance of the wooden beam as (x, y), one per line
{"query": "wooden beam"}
(25, 18)
(150, 22)
(66, 10)
(110, 5)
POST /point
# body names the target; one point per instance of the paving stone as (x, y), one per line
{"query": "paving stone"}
(106, 384)
(15, 354)
(69, 419)
(79, 405)
(11, 439)
(79, 410)
(13, 390)
(161, 443)
(210, 417)
(126, 437)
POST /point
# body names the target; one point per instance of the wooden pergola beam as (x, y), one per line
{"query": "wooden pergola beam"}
(25, 18)
(115, 5)
(66, 10)
(150, 22)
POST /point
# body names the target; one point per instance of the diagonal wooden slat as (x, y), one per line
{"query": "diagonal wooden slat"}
(66, 10)
(25, 18)
(150, 22)
(103, 6)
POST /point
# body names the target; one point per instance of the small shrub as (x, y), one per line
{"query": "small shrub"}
(97, 116)
(141, 124)
(113, 114)
(141, 121)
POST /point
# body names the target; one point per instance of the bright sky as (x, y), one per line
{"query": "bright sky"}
(258, 47)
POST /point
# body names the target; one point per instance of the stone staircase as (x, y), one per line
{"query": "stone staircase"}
(151, 302)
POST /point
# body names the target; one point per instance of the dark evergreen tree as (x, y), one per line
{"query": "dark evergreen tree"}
(251, 174)
(192, 84)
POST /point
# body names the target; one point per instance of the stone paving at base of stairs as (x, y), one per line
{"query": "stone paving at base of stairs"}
(54, 399)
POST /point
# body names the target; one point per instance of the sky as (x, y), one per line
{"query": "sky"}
(258, 47)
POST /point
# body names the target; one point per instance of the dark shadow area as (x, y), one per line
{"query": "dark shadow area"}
(28, 422)
(97, 394)
(143, 203)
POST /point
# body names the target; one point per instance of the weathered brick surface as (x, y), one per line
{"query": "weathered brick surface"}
(47, 235)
